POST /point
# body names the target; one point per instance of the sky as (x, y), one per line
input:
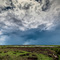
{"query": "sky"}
(29, 22)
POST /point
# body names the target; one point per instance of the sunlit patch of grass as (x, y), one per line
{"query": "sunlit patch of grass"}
(43, 57)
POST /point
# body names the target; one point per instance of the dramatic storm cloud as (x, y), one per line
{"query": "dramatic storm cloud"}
(27, 21)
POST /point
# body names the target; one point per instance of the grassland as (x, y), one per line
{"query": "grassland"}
(31, 52)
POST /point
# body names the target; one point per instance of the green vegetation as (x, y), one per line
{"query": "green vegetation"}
(30, 52)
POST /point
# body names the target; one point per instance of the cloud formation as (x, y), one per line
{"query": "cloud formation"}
(29, 14)
(24, 15)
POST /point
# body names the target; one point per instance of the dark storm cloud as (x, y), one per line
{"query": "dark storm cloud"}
(44, 38)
